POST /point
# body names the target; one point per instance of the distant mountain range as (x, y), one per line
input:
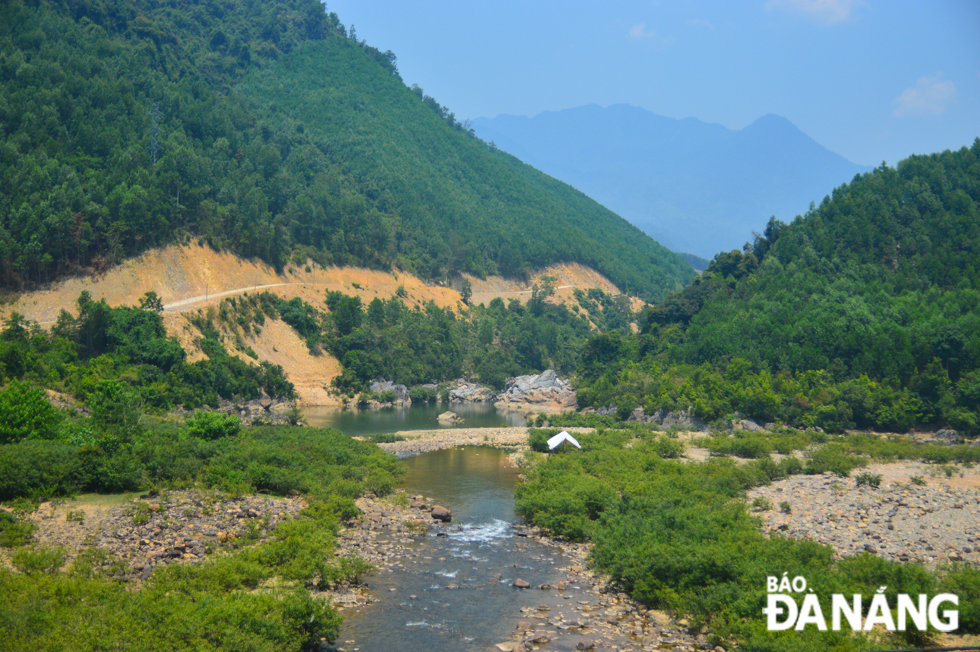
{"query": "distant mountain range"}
(695, 187)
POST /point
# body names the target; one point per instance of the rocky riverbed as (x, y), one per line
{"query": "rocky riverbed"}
(932, 520)
(153, 530)
(424, 441)
(579, 612)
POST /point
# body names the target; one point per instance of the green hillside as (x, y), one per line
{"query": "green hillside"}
(269, 130)
(864, 312)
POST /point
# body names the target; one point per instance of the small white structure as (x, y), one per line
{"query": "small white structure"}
(559, 438)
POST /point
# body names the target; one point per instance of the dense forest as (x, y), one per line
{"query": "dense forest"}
(863, 313)
(268, 129)
(118, 358)
(427, 344)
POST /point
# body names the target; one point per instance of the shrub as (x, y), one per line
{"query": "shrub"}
(211, 426)
(538, 440)
(25, 413)
(833, 458)
(870, 479)
(14, 531)
(761, 503)
(34, 561)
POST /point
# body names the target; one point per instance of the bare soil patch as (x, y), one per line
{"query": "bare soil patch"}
(191, 278)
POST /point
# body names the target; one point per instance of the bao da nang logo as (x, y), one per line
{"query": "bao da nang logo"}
(783, 611)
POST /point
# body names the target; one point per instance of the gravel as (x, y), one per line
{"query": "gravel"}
(902, 521)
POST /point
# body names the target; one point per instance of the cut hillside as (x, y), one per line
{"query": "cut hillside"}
(268, 130)
(192, 278)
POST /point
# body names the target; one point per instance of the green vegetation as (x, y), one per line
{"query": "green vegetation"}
(387, 339)
(679, 536)
(864, 313)
(305, 460)
(254, 597)
(271, 131)
(120, 362)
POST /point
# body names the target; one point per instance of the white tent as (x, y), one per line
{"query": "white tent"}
(559, 438)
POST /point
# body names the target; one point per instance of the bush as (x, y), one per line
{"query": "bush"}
(537, 439)
(34, 561)
(832, 457)
(25, 413)
(211, 426)
(14, 531)
(870, 479)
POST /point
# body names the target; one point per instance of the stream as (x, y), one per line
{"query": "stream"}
(419, 416)
(456, 592)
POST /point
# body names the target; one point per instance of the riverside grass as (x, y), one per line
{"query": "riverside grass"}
(256, 597)
(678, 536)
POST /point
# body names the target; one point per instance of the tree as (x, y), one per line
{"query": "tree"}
(466, 291)
(25, 413)
(150, 301)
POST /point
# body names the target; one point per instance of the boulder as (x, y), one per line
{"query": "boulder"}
(747, 424)
(400, 391)
(521, 584)
(465, 392)
(947, 435)
(441, 513)
(545, 389)
(282, 406)
(449, 417)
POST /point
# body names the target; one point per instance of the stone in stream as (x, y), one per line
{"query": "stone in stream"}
(449, 417)
(522, 584)
(441, 513)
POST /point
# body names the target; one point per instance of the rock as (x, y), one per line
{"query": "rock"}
(948, 435)
(449, 417)
(679, 419)
(281, 407)
(441, 514)
(465, 392)
(585, 645)
(522, 584)
(400, 391)
(545, 389)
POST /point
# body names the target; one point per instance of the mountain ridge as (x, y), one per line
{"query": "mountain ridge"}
(695, 186)
(145, 125)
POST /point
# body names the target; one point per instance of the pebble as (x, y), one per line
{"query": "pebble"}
(903, 522)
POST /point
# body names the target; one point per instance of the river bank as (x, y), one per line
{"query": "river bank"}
(577, 612)
(424, 441)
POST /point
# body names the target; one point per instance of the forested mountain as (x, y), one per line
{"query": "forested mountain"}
(864, 312)
(695, 187)
(269, 129)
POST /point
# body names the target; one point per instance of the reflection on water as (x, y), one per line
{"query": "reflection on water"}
(416, 417)
(455, 592)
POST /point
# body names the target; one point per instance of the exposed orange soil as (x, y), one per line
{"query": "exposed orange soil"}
(569, 276)
(191, 278)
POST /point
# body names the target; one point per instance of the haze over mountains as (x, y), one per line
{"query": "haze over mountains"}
(695, 187)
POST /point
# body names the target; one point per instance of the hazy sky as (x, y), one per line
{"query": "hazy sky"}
(872, 80)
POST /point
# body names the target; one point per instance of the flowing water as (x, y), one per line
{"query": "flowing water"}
(419, 416)
(455, 592)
